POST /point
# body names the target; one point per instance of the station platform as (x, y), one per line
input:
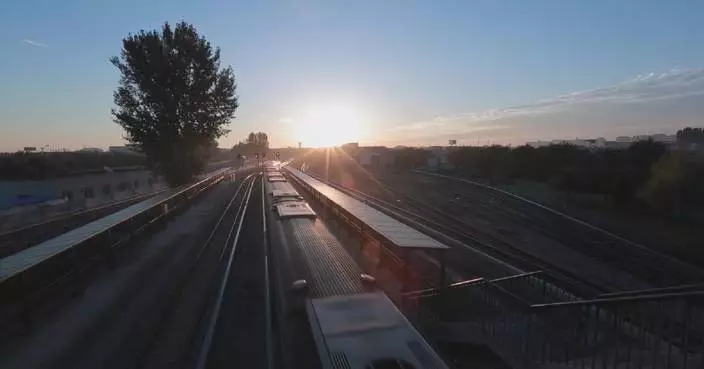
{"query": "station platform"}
(394, 232)
(20, 262)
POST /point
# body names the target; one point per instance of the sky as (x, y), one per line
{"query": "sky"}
(399, 71)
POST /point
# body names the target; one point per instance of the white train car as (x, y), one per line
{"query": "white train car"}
(346, 322)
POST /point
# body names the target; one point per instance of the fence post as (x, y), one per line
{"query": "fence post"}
(685, 340)
(110, 251)
(526, 340)
(596, 335)
(27, 312)
(78, 273)
(443, 273)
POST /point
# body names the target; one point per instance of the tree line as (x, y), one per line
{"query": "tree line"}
(645, 176)
(690, 136)
(255, 143)
(39, 166)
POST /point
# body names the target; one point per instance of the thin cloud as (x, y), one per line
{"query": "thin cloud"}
(35, 43)
(286, 120)
(645, 88)
(675, 83)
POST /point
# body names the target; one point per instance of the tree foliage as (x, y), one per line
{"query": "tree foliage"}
(661, 191)
(688, 136)
(675, 185)
(255, 143)
(173, 98)
(644, 176)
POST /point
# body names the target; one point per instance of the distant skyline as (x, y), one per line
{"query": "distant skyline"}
(413, 72)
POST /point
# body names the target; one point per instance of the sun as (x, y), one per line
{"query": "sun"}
(330, 125)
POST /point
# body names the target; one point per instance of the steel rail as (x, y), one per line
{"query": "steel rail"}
(217, 305)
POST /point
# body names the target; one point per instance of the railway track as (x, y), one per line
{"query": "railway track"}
(653, 322)
(496, 246)
(218, 290)
(237, 327)
(478, 239)
(654, 267)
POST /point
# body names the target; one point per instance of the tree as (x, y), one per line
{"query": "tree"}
(264, 140)
(255, 143)
(688, 136)
(662, 191)
(173, 98)
(646, 152)
(676, 184)
(259, 140)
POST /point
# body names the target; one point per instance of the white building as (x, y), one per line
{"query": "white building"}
(122, 150)
(85, 189)
(439, 158)
(376, 157)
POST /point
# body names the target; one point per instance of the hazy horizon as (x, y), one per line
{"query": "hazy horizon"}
(389, 73)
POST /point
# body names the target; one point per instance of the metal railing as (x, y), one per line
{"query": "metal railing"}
(655, 291)
(651, 331)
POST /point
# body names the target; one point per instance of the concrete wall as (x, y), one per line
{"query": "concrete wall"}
(80, 190)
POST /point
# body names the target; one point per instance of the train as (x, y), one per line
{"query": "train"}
(331, 315)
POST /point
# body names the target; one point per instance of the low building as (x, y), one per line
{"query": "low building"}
(617, 145)
(376, 156)
(439, 158)
(127, 150)
(537, 144)
(82, 190)
(351, 149)
(351, 146)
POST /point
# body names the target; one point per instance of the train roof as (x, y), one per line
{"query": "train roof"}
(366, 330)
(284, 193)
(280, 186)
(294, 208)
